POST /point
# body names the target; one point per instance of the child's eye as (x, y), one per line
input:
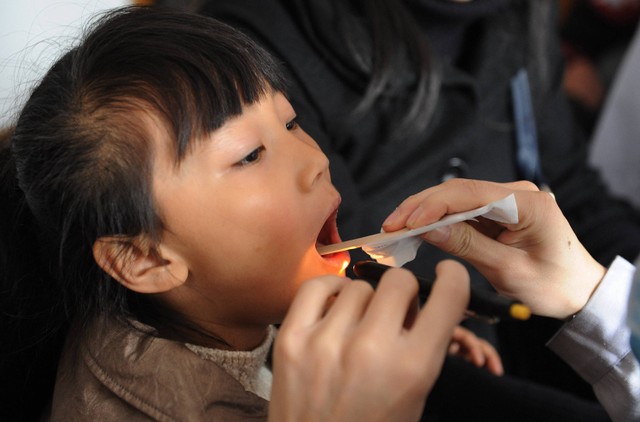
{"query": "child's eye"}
(252, 157)
(292, 124)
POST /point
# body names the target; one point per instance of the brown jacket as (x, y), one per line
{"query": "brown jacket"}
(115, 372)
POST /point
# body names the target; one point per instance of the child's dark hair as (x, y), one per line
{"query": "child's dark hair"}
(83, 147)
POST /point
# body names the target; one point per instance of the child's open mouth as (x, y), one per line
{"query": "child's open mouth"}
(329, 232)
(328, 236)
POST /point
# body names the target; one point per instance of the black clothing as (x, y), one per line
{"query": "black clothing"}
(481, 46)
(468, 393)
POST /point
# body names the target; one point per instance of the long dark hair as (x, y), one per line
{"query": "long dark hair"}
(82, 154)
(382, 43)
(398, 50)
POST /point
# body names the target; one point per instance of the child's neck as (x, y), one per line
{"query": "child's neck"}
(209, 327)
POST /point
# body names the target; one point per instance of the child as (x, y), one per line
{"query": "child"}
(182, 206)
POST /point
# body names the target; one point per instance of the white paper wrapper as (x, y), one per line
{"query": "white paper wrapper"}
(398, 250)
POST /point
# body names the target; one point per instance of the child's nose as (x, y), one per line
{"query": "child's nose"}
(314, 167)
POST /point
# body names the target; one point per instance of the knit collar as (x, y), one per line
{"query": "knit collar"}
(247, 367)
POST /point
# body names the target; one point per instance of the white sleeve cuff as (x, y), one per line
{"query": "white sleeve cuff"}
(596, 344)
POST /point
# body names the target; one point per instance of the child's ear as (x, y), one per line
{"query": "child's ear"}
(138, 266)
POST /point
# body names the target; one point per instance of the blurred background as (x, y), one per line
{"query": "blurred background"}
(33, 33)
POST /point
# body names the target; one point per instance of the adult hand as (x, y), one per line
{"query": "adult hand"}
(539, 260)
(345, 352)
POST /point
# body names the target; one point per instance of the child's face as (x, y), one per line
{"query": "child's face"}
(245, 209)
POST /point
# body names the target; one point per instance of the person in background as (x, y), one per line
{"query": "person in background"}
(595, 35)
(614, 148)
(402, 95)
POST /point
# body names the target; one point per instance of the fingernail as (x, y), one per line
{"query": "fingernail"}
(391, 219)
(439, 235)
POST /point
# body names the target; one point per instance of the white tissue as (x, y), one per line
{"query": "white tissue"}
(397, 251)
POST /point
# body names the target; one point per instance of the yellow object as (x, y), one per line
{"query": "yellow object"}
(519, 311)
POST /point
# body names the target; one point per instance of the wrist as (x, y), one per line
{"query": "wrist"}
(586, 284)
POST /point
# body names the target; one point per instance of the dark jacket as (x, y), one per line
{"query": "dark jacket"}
(114, 372)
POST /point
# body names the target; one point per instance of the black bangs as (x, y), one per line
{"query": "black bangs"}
(193, 71)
